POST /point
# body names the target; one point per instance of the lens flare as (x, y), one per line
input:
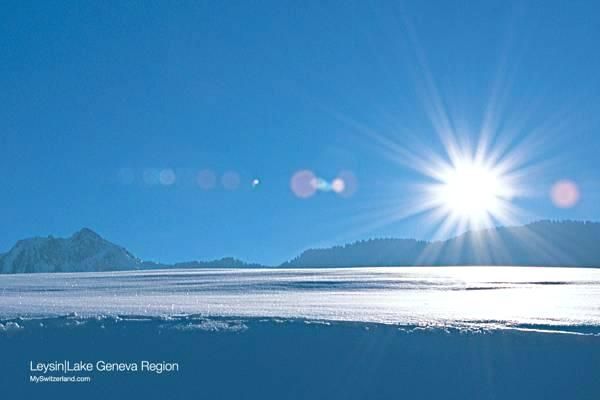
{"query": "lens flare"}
(345, 184)
(230, 180)
(303, 184)
(206, 179)
(167, 177)
(338, 185)
(565, 194)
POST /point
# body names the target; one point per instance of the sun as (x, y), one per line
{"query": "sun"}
(470, 192)
(470, 183)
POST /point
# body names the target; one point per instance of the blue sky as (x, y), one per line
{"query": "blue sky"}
(98, 96)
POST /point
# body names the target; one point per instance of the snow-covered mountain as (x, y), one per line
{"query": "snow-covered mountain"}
(543, 243)
(86, 251)
(83, 251)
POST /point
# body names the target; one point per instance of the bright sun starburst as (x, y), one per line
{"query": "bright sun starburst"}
(471, 182)
(471, 192)
(470, 189)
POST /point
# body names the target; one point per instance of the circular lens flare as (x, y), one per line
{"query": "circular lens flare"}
(565, 194)
(206, 179)
(230, 180)
(167, 177)
(304, 184)
(338, 185)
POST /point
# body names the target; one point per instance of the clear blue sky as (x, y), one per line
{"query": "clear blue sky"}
(95, 96)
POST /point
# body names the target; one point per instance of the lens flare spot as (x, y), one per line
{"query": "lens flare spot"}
(565, 194)
(206, 179)
(321, 185)
(347, 183)
(304, 184)
(167, 177)
(230, 180)
(338, 185)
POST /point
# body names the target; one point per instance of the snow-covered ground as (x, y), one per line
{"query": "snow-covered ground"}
(561, 299)
(360, 333)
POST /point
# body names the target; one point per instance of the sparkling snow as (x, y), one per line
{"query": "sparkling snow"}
(469, 297)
